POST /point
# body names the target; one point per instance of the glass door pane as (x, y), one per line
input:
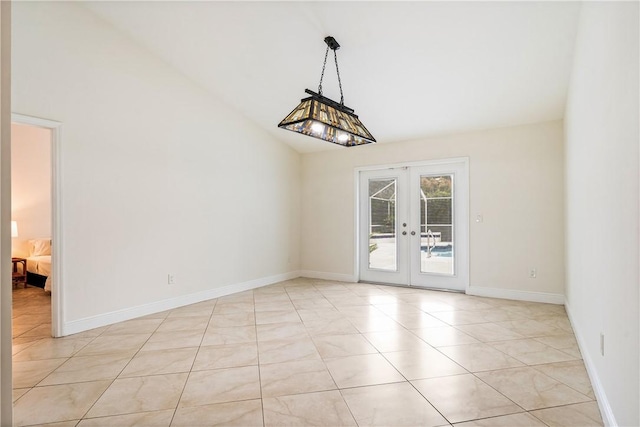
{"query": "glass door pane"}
(382, 224)
(436, 224)
(383, 242)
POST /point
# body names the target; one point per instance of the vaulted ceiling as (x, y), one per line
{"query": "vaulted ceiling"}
(409, 69)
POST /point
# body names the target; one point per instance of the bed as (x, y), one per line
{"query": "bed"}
(39, 264)
(39, 271)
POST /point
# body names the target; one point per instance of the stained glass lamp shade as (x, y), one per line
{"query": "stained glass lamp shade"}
(322, 118)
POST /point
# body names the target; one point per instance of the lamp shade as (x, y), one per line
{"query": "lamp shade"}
(323, 118)
(14, 229)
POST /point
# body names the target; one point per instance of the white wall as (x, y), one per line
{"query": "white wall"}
(158, 177)
(30, 184)
(516, 183)
(602, 136)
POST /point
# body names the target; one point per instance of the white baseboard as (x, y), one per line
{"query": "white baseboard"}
(549, 298)
(105, 319)
(603, 403)
(328, 276)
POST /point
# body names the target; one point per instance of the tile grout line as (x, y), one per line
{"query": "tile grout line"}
(175, 411)
(117, 376)
(324, 363)
(391, 364)
(255, 325)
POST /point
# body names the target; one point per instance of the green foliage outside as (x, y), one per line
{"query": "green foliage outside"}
(436, 186)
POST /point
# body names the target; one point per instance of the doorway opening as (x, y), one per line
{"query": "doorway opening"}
(35, 222)
(413, 224)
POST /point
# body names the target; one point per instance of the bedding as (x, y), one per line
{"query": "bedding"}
(39, 263)
(39, 247)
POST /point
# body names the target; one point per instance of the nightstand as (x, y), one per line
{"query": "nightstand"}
(16, 276)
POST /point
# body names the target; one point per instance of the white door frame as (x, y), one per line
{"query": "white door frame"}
(57, 301)
(464, 231)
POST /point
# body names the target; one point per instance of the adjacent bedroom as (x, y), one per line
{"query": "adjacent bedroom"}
(31, 231)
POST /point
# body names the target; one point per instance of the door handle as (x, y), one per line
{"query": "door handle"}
(413, 233)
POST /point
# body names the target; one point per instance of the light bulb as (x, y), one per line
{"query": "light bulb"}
(343, 137)
(317, 127)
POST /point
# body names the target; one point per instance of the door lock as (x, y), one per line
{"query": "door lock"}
(404, 224)
(404, 233)
(413, 233)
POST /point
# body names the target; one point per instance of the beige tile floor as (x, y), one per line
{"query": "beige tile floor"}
(307, 352)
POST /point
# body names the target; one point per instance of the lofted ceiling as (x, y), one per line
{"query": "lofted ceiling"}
(409, 69)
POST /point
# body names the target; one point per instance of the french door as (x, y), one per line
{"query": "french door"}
(413, 225)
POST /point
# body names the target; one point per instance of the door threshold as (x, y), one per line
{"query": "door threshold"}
(456, 291)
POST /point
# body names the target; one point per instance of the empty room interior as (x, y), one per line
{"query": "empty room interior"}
(320, 213)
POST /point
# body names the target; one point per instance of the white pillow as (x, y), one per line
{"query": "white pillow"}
(39, 247)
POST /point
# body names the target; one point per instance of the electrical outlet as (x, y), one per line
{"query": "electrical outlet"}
(533, 273)
(601, 343)
(171, 279)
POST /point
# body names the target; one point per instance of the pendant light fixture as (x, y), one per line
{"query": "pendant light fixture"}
(323, 118)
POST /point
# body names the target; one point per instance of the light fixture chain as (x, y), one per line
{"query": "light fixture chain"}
(323, 67)
(335, 56)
